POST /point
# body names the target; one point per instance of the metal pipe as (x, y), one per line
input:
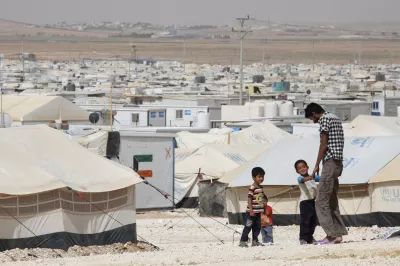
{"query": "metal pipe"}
(241, 73)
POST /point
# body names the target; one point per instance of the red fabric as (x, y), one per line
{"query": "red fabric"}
(266, 219)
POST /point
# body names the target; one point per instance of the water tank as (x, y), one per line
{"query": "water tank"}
(279, 103)
(7, 120)
(286, 109)
(203, 120)
(270, 109)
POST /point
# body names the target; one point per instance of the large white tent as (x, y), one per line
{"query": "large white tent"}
(62, 192)
(34, 109)
(209, 156)
(369, 171)
(209, 162)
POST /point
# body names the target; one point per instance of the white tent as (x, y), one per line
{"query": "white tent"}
(361, 126)
(385, 189)
(95, 142)
(365, 157)
(42, 109)
(365, 125)
(207, 163)
(40, 170)
(261, 133)
(215, 157)
(182, 154)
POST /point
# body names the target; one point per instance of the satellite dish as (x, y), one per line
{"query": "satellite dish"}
(94, 118)
(7, 120)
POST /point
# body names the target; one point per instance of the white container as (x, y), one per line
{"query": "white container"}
(254, 110)
(270, 109)
(203, 120)
(286, 109)
(295, 111)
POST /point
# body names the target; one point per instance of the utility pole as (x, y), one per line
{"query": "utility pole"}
(242, 34)
(184, 55)
(22, 57)
(351, 66)
(359, 51)
(133, 52)
(133, 57)
(313, 55)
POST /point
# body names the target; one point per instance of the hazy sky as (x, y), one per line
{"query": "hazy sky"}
(199, 11)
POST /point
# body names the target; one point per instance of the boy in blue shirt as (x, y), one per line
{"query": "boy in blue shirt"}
(308, 193)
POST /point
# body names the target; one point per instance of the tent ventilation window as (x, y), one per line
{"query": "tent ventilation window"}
(28, 205)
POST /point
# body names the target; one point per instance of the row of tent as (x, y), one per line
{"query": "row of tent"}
(58, 192)
(369, 186)
(221, 158)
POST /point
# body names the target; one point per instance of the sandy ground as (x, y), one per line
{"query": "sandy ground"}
(212, 51)
(187, 243)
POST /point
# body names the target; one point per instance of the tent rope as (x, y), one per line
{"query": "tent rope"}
(167, 196)
(44, 243)
(235, 231)
(94, 205)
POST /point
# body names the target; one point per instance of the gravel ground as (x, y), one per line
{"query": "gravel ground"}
(187, 243)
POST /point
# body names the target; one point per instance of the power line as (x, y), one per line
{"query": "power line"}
(242, 34)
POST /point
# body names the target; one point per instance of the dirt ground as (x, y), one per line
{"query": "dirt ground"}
(212, 51)
(204, 241)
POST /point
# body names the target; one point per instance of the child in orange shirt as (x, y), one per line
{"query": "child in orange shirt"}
(266, 225)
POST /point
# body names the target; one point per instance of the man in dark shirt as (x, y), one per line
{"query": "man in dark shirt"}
(331, 155)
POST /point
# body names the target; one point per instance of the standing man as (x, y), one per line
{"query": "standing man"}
(331, 155)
